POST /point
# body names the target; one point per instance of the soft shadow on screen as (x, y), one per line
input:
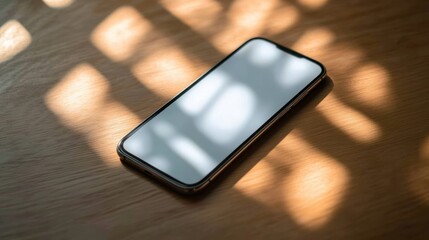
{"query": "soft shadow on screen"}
(195, 133)
(263, 145)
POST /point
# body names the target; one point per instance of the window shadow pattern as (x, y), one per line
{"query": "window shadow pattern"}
(54, 184)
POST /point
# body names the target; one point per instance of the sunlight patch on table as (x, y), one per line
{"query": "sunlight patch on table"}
(315, 185)
(58, 3)
(313, 4)
(281, 19)
(419, 176)
(166, 72)
(201, 16)
(352, 122)
(79, 96)
(80, 101)
(349, 54)
(120, 34)
(314, 40)
(296, 177)
(369, 85)
(14, 38)
(259, 183)
(245, 19)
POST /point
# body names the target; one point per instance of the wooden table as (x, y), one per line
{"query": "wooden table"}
(350, 162)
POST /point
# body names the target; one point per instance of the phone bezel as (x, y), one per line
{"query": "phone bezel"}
(189, 188)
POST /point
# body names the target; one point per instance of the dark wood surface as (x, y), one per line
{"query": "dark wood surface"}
(350, 162)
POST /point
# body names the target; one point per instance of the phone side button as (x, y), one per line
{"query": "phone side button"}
(296, 101)
(300, 98)
(314, 85)
(285, 111)
(215, 175)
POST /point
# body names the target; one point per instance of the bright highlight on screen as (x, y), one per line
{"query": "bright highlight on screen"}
(201, 128)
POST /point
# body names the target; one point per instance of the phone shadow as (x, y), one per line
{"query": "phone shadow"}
(259, 148)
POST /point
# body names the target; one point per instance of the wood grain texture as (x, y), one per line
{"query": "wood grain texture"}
(350, 162)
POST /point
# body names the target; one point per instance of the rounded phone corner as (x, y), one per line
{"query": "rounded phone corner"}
(166, 181)
(120, 148)
(195, 189)
(322, 67)
(258, 38)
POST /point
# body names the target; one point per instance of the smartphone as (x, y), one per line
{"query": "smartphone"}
(196, 135)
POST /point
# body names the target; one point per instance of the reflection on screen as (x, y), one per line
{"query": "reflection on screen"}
(201, 128)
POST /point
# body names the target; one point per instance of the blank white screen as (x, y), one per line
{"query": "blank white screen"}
(196, 132)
